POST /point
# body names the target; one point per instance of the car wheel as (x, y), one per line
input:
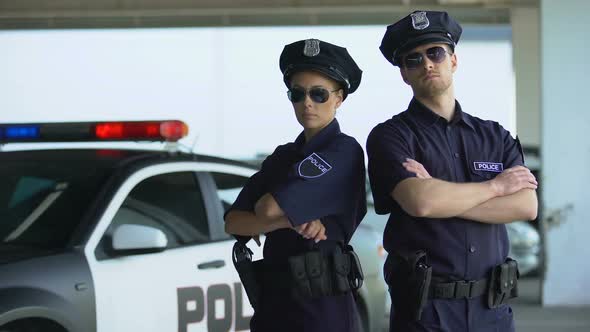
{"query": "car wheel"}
(32, 325)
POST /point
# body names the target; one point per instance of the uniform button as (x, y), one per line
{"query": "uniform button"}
(456, 154)
(472, 249)
(448, 128)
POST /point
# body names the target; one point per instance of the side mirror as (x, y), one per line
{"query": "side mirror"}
(129, 239)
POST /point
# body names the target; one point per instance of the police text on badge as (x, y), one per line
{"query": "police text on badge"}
(313, 166)
(488, 166)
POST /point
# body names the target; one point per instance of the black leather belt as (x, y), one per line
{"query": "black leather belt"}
(458, 289)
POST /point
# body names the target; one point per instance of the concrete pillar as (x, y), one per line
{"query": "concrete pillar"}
(565, 153)
(527, 67)
(526, 50)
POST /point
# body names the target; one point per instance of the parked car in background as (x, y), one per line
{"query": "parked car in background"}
(99, 238)
(525, 246)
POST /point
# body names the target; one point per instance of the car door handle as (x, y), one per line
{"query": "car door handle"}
(212, 264)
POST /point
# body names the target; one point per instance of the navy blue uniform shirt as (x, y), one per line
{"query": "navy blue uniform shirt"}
(467, 149)
(323, 179)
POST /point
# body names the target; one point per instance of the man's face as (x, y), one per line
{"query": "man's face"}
(421, 70)
(312, 114)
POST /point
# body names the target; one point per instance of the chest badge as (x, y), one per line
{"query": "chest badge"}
(487, 166)
(313, 167)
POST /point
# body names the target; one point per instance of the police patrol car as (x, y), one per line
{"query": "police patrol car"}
(105, 239)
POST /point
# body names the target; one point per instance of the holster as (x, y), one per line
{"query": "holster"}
(242, 258)
(503, 283)
(317, 274)
(409, 279)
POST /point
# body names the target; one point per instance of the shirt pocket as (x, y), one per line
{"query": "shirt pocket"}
(437, 163)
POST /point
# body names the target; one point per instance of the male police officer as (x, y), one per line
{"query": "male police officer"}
(450, 181)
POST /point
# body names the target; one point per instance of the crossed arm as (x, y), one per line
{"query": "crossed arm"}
(509, 197)
(267, 217)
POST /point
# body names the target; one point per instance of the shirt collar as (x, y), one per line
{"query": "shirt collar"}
(427, 117)
(461, 116)
(422, 114)
(319, 140)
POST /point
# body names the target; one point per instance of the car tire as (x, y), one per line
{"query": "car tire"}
(32, 325)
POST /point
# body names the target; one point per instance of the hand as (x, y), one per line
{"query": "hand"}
(415, 167)
(312, 230)
(514, 179)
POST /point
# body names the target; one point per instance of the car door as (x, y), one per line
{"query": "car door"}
(187, 286)
(228, 182)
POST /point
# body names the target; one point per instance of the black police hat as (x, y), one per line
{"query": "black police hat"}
(419, 28)
(328, 59)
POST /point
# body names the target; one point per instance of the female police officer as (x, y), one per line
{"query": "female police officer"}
(308, 197)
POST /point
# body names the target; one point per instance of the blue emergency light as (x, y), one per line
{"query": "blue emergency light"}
(21, 132)
(168, 130)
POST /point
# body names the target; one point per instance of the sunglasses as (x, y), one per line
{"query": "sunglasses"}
(414, 60)
(318, 95)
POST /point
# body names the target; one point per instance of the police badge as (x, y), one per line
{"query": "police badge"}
(313, 167)
(311, 48)
(419, 20)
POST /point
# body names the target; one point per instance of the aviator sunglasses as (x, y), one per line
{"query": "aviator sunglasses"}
(317, 94)
(413, 60)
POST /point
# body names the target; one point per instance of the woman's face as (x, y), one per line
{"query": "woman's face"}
(314, 115)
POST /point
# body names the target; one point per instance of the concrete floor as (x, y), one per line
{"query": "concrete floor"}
(531, 317)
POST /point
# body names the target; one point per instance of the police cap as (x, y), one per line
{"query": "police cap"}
(419, 28)
(328, 59)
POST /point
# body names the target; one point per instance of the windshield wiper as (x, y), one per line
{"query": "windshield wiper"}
(38, 211)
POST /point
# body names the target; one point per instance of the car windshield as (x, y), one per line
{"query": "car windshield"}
(45, 194)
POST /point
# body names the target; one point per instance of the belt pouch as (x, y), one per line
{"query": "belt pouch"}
(341, 266)
(503, 283)
(299, 276)
(318, 274)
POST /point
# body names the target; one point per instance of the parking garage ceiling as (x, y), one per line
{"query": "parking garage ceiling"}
(65, 14)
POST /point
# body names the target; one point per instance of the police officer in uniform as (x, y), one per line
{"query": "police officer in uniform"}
(308, 197)
(450, 182)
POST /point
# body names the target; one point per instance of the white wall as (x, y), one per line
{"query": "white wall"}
(225, 82)
(565, 46)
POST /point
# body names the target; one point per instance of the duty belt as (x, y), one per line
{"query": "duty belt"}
(458, 289)
(311, 274)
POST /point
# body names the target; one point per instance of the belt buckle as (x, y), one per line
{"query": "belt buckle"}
(464, 288)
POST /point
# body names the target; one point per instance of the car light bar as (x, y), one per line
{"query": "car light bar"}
(170, 130)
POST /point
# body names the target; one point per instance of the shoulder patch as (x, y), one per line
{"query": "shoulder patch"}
(313, 167)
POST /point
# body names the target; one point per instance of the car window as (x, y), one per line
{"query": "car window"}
(228, 187)
(44, 196)
(172, 203)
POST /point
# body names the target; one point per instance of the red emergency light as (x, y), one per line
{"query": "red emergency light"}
(169, 130)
